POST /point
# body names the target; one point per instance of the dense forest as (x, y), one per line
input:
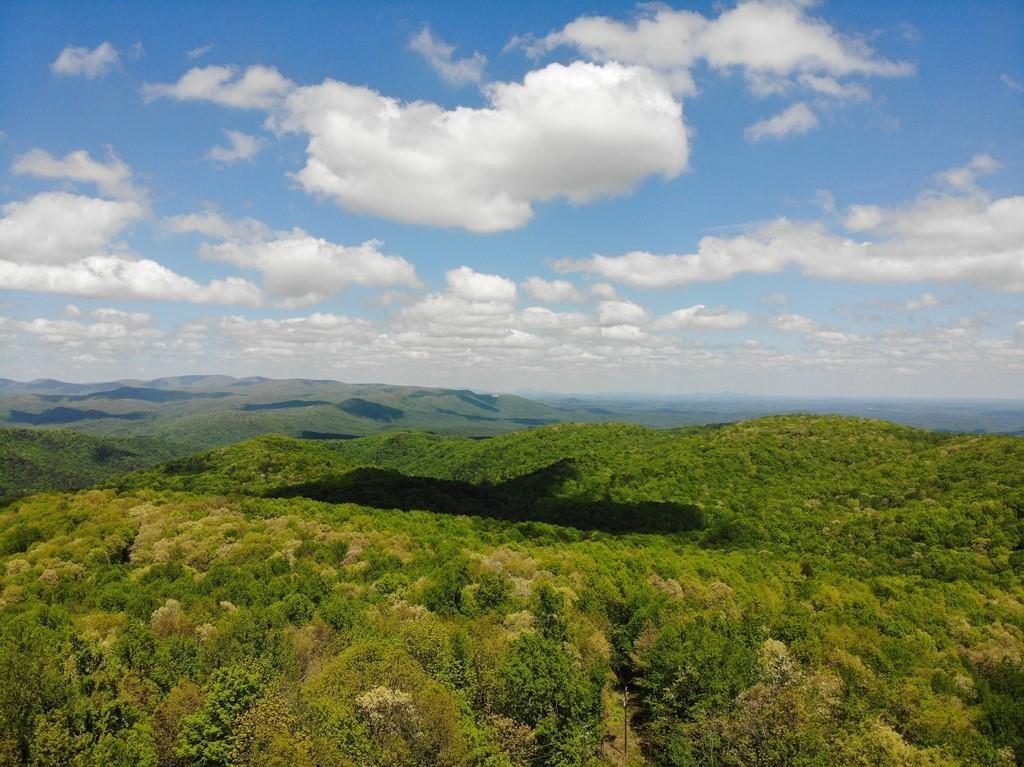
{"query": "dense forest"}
(61, 459)
(792, 590)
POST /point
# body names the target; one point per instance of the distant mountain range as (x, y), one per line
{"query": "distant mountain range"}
(195, 412)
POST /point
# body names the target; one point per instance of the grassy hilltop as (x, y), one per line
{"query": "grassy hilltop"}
(793, 590)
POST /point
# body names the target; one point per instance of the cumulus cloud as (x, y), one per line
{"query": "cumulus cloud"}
(64, 243)
(795, 323)
(110, 314)
(321, 336)
(113, 178)
(965, 177)
(241, 146)
(779, 39)
(474, 286)
(701, 317)
(776, 45)
(579, 131)
(441, 57)
(493, 335)
(106, 276)
(621, 312)
(541, 317)
(552, 291)
(83, 62)
(938, 237)
(59, 228)
(113, 334)
(303, 270)
(954, 348)
(258, 87)
(793, 121)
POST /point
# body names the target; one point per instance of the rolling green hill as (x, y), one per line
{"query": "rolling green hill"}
(792, 590)
(60, 459)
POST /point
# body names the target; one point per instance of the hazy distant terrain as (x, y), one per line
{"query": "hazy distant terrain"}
(206, 411)
(979, 416)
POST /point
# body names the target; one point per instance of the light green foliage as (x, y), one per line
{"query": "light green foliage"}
(853, 595)
(206, 738)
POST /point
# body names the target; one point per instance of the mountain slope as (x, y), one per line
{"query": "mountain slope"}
(776, 478)
(851, 595)
(32, 460)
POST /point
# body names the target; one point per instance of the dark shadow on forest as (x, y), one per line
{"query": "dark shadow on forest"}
(134, 392)
(529, 498)
(59, 415)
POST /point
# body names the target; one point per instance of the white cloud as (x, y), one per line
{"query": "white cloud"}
(304, 270)
(106, 276)
(113, 179)
(473, 286)
(113, 334)
(579, 132)
(660, 38)
(440, 56)
(63, 243)
(624, 332)
(957, 348)
(938, 237)
(110, 315)
(1013, 85)
(965, 177)
(862, 218)
(241, 146)
(621, 312)
(923, 301)
(541, 317)
(775, 44)
(259, 87)
(701, 317)
(552, 291)
(780, 39)
(213, 224)
(202, 50)
(795, 323)
(80, 61)
(830, 86)
(59, 228)
(473, 305)
(793, 121)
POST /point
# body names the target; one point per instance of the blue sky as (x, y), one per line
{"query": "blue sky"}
(764, 197)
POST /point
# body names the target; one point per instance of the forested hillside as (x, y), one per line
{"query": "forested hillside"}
(55, 459)
(786, 591)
